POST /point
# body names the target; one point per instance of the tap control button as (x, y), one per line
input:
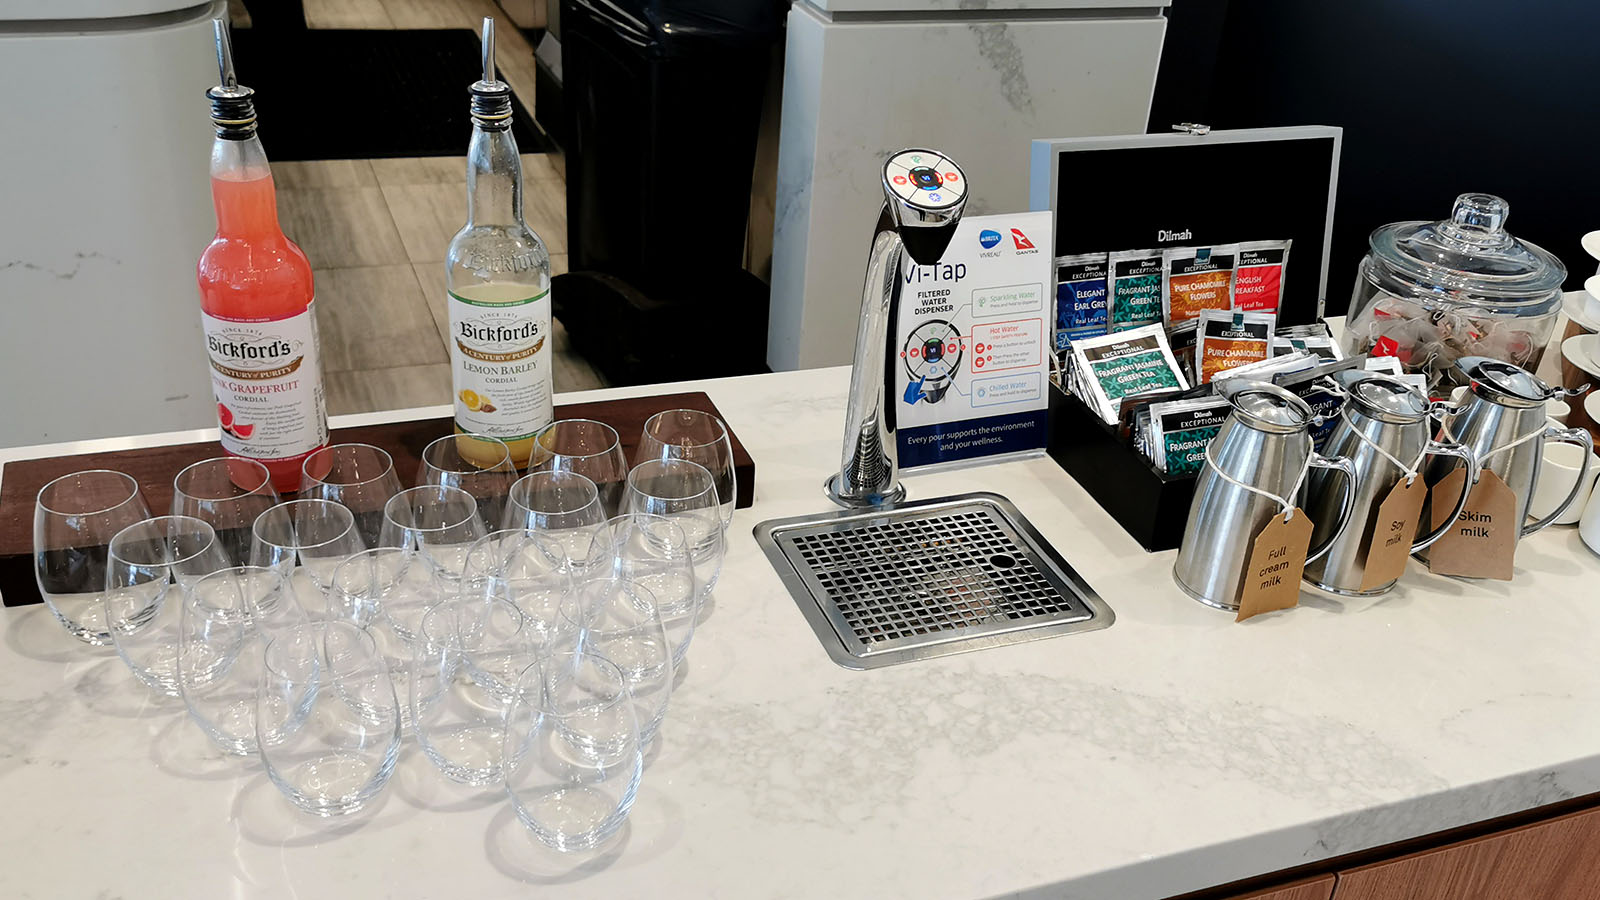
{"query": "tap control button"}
(924, 178)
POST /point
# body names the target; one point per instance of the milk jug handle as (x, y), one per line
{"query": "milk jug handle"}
(1568, 436)
(1437, 448)
(1347, 503)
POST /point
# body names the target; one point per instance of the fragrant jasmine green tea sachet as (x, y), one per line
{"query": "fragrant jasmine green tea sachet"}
(1135, 289)
(1124, 364)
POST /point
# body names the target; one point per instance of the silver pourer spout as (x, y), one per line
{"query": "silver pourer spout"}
(925, 193)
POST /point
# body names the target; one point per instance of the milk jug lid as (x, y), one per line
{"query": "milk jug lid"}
(1389, 400)
(1504, 379)
(1270, 408)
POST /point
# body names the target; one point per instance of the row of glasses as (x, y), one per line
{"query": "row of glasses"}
(226, 610)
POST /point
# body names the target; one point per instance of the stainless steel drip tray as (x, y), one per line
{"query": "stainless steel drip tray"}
(925, 579)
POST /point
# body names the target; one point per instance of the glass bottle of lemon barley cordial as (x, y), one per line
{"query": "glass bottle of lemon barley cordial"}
(498, 277)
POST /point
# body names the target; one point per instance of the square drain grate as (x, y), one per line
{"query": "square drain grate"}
(927, 579)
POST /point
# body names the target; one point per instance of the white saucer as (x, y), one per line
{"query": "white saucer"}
(1574, 304)
(1591, 405)
(1583, 351)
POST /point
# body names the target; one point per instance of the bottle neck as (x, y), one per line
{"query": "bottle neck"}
(494, 178)
(241, 189)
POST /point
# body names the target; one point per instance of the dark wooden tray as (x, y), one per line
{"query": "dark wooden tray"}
(154, 468)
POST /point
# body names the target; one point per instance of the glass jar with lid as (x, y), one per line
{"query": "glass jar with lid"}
(1431, 293)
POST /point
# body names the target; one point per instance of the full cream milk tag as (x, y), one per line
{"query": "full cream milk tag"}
(1483, 542)
(1277, 559)
(1393, 530)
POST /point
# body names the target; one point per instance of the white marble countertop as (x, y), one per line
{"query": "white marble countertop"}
(1172, 751)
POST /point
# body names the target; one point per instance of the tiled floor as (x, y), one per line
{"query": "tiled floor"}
(376, 232)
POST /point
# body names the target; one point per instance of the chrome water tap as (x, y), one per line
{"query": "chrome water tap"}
(924, 195)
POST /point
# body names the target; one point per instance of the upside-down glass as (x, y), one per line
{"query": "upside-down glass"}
(572, 757)
(387, 591)
(441, 523)
(684, 492)
(698, 437)
(529, 570)
(591, 449)
(74, 519)
(360, 476)
(563, 505)
(652, 551)
(443, 464)
(227, 620)
(327, 720)
(150, 566)
(319, 534)
(618, 620)
(469, 654)
(229, 492)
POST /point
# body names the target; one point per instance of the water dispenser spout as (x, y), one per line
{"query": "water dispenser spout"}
(924, 195)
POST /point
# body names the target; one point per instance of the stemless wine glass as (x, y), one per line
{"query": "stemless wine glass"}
(563, 505)
(698, 437)
(572, 756)
(74, 519)
(591, 449)
(652, 551)
(319, 534)
(227, 619)
(360, 476)
(485, 471)
(387, 591)
(684, 492)
(618, 620)
(327, 721)
(469, 654)
(229, 492)
(150, 565)
(441, 523)
(529, 570)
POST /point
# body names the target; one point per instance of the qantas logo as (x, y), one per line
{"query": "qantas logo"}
(1021, 240)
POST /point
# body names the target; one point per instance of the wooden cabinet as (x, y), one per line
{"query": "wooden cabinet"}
(1311, 889)
(1554, 860)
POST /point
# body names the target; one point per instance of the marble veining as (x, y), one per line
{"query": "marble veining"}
(1172, 751)
(996, 46)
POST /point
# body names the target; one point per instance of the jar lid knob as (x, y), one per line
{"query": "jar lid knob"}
(1480, 218)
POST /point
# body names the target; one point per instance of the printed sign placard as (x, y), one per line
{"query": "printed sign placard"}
(973, 343)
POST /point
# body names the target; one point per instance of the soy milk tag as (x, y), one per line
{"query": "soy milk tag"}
(1483, 542)
(1393, 530)
(1277, 560)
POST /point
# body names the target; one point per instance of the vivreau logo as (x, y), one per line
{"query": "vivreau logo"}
(269, 350)
(988, 238)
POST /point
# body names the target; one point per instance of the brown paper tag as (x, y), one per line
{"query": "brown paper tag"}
(1483, 542)
(1277, 560)
(1393, 530)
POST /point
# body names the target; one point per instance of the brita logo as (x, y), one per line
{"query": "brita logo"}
(988, 238)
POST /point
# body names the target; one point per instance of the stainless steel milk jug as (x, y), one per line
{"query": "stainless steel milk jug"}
(1502, 421)
(1263, 446)
(1385, 430)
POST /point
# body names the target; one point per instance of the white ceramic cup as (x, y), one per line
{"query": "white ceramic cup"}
(1557, 473)
(1589, 525)
(1591, 246)
(1557, 411)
